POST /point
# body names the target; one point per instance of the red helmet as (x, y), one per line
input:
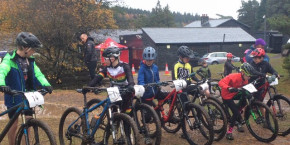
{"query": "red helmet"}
(229, 55)
(257, 52)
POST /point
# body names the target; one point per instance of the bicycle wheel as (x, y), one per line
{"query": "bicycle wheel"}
(99, 135)
(281, 109)
(174, 123)
(261, 122)
(194, 130)
(148, 123)
(218, 118)
(38, 132)
(215, 89)
(75, 134)
(125, 129)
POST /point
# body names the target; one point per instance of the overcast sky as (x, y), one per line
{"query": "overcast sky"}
(209, 7)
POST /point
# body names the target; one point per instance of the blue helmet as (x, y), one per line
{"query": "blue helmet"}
(149, 53)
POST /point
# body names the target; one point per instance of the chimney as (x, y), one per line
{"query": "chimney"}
(204, 20)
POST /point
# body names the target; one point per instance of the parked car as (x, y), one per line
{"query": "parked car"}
(217, 58)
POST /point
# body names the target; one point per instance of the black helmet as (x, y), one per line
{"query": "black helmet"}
(184, 51)
(111, 51)
(27, 39)
(248, 69)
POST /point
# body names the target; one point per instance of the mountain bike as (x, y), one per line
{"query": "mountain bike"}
(145, 117)
(259, 119)
(175, 112)
(279, 104)
(215, 111)
(32, 130)
(115, 128)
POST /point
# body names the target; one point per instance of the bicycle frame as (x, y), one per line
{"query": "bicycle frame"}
(161, 102)
(20, 108)
(108, 105)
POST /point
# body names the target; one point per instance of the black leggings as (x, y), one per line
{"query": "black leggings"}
(235, 109)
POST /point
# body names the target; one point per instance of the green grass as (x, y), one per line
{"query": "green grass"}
(275, 61)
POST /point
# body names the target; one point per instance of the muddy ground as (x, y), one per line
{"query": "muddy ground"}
(56, 103)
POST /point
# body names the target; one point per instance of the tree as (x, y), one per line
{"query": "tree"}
(278, 15)
(224, 17)
(56, 23)
(248, 14)
(161, 17)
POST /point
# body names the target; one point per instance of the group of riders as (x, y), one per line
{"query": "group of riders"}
(18, 71)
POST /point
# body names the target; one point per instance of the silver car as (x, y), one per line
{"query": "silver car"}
(217, 58)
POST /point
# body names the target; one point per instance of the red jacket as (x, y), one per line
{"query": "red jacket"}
(232, 80)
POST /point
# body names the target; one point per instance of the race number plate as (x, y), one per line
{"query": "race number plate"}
(34, 98)
(274, 83)
(250, 87)
(114, 94)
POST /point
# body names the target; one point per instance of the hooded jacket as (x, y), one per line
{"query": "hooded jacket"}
(11, 75)
(148, 74)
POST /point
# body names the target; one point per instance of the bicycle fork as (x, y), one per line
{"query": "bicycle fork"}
(114, 126)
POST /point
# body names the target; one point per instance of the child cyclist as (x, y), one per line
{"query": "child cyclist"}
(149, 73)
(205, 74)
(229, 88)
(118, 72)
(229, 67)
(18, 71)
(262, 66)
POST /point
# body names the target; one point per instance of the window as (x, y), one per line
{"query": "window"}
(221, 55)
(213, 55)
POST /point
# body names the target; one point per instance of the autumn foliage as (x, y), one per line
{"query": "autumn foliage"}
(57, 24)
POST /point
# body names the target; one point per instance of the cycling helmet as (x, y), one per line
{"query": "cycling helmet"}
(111, 51)
(27, 39)
(258, 52)
(229, 55)
(184, 51)
(260, 41)
(247, 69)
(149, 53)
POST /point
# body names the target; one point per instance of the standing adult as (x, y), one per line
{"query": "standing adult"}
(90, 53)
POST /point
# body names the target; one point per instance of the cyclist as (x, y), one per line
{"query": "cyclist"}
(182, 69)
(229, 88)
(204, 73)
(149, 73)
(18, 71)
(263, 67)
(118, 72)
(229, 67)
(260, 43)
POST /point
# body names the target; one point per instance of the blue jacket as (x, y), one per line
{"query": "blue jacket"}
(147, 75)
(11, 75)
(250, 59)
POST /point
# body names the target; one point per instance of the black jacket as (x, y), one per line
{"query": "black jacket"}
(264, 67)
(90, 52)
(228, 68)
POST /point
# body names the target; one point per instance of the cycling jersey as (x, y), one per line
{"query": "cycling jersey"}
(121, 73)
(232, 80)
(182, 71)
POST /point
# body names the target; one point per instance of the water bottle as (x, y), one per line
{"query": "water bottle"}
(94, 121)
